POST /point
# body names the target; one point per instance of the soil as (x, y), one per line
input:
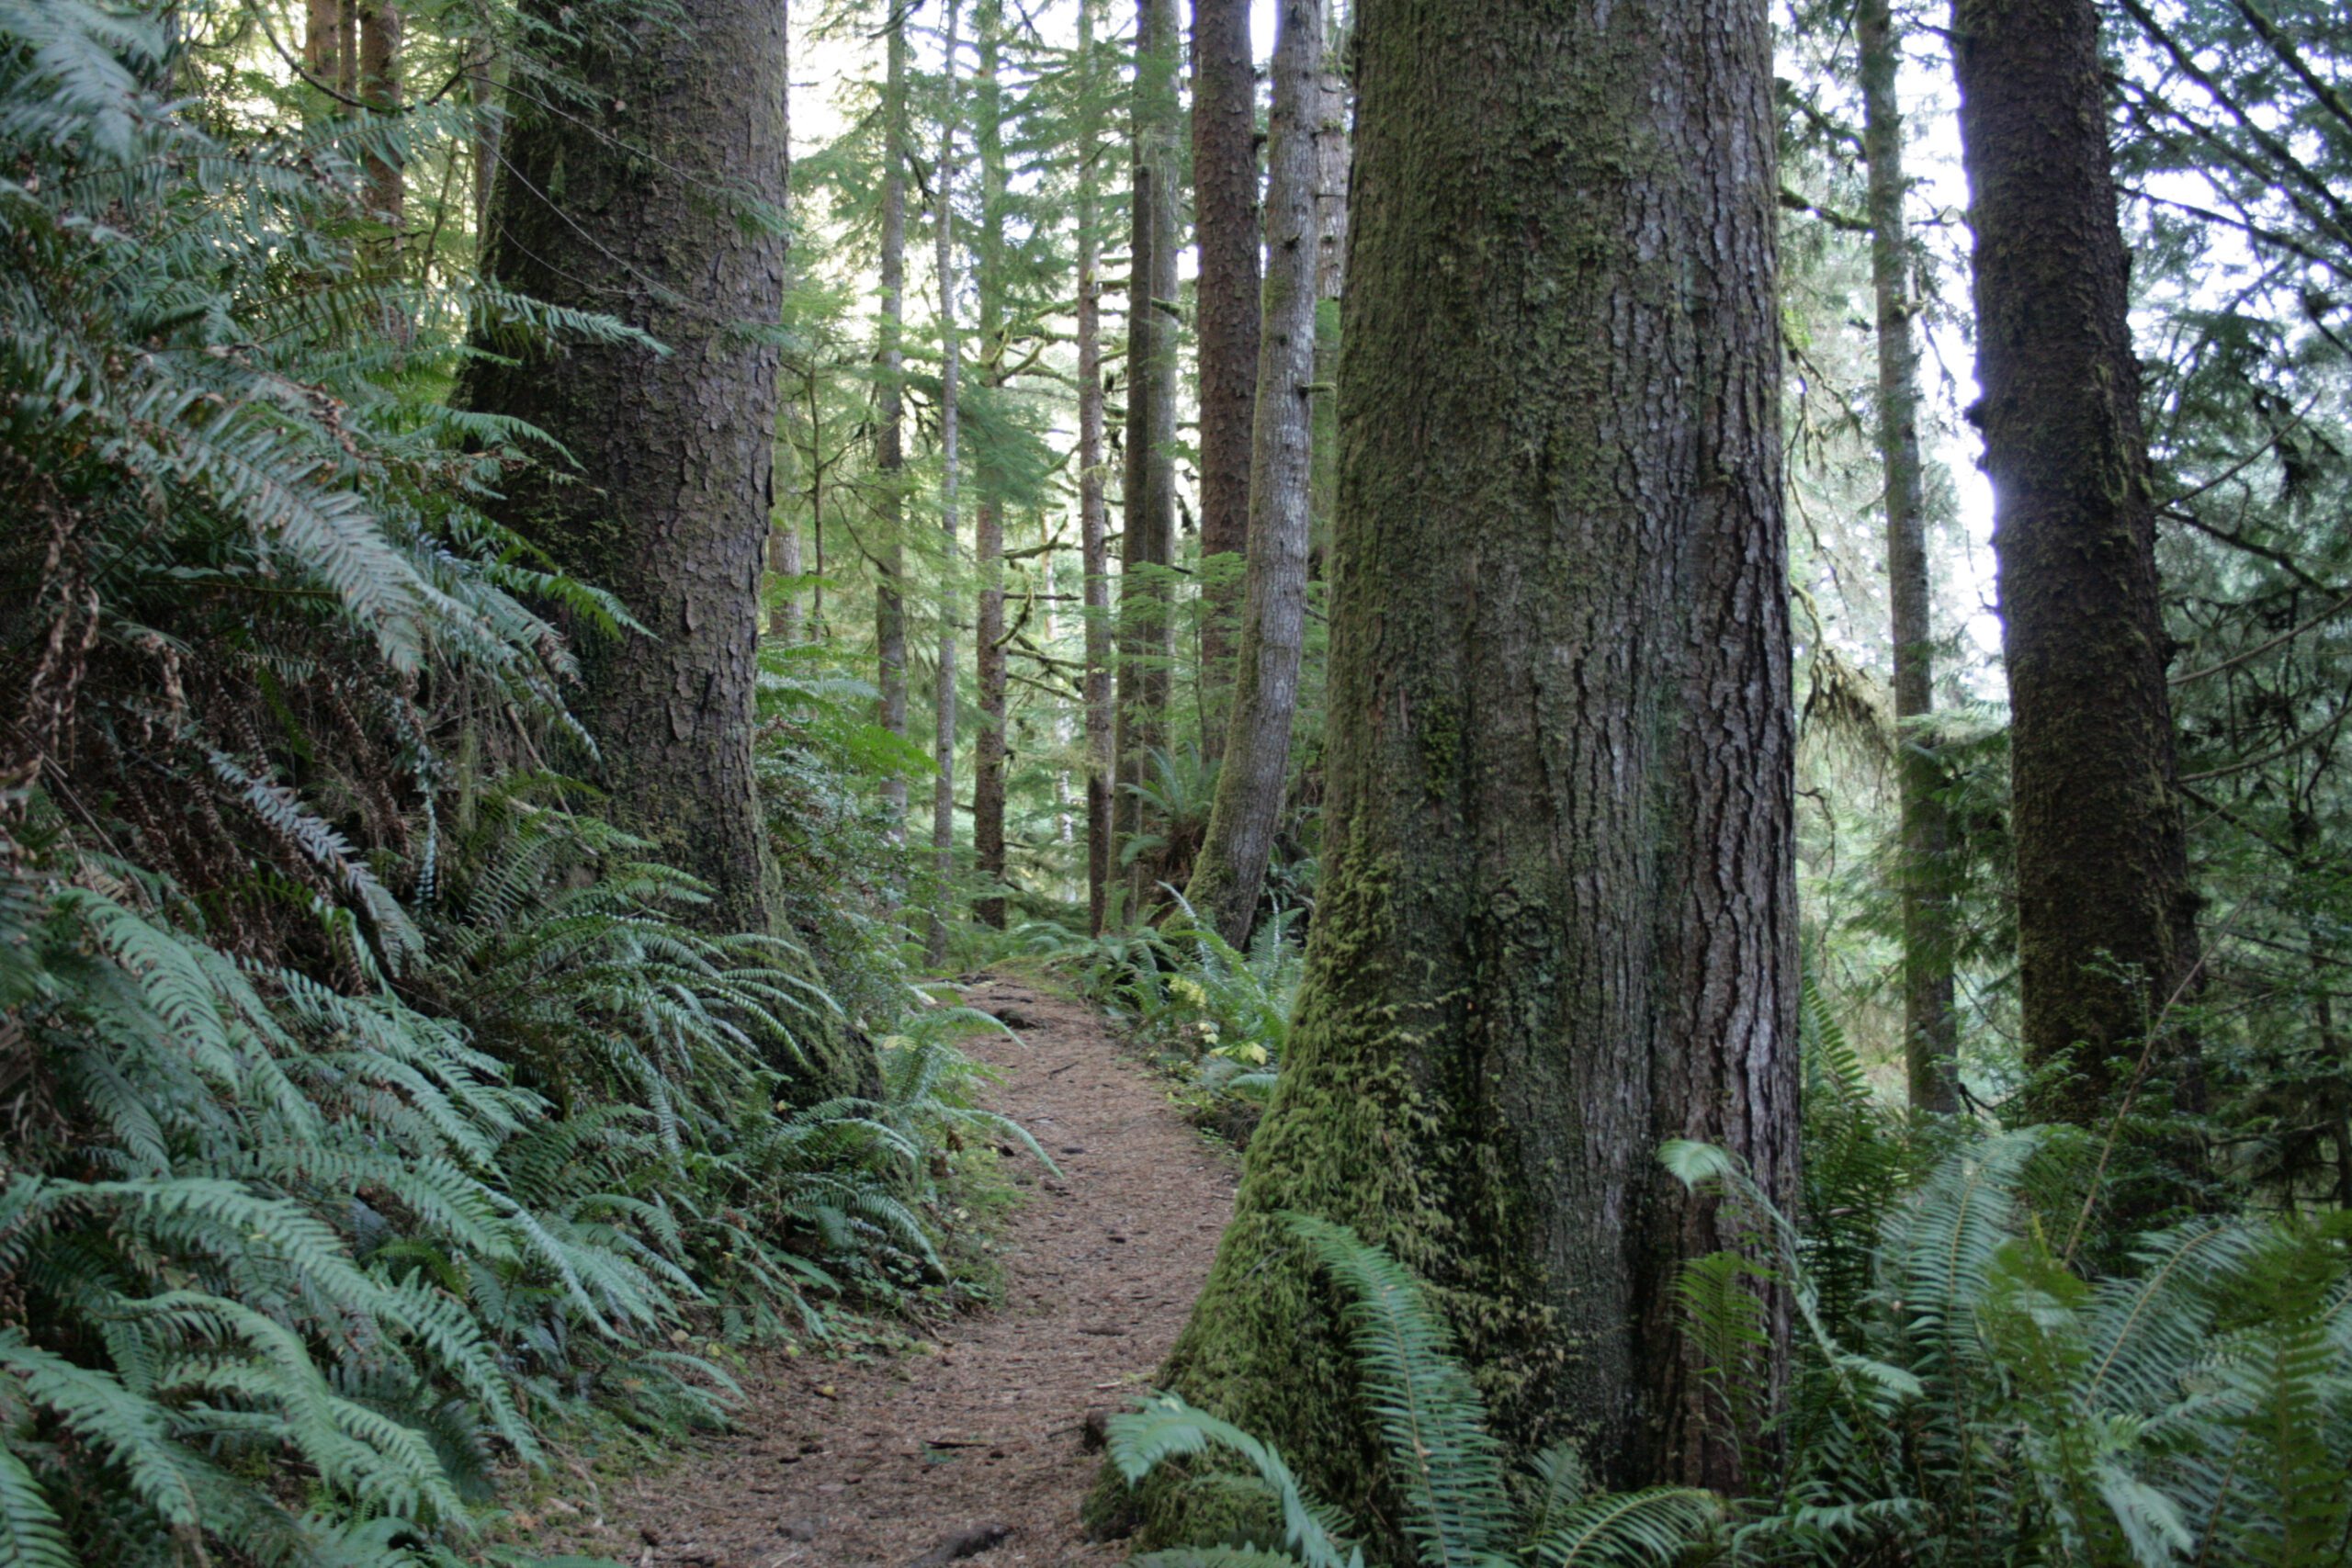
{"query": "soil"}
(979, 1451)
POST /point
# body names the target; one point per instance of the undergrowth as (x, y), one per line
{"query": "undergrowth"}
(372, 1112)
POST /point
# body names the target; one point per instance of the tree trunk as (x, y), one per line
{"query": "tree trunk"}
(1557, 920)
(2106, 934)
(1225, 222)
(676, 450)
(1147, 543)
(1101, 763)
(1231, 869)
(889, 440)
(379, 88)
(942, 798)
(1930, 1029)
(322, 40)
(1331, 157)
(988, 756)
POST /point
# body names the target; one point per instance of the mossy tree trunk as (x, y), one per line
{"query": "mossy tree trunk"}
(1225, 222)
(1930, 1029)
(1148, 541)
(2107, 933)
(1557, 920)
(1231, 870)
(1093, 523)
(989, 753)
(661, 208)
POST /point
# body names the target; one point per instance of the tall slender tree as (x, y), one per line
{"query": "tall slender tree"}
(1147, 543)
(988, 755)
(890, 437)
(1225, 225)
(672, 186)
(2106, 932)
(1558, 918)
(1231, 870)
(943, 702)
(1102, 759)
(1930, 1027)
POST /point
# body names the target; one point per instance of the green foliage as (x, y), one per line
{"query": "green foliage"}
(373, 1111)
(1990, 1402)
(1461, 1506)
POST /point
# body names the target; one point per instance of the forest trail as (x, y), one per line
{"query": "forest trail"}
(842, 1464)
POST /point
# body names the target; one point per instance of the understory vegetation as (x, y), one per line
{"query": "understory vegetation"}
(376, 1117)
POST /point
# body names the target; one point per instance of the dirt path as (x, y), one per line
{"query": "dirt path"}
(836, 1464)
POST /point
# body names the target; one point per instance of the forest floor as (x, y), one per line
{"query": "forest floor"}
(895, 1462)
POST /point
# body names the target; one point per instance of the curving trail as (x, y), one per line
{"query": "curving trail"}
(885, 1464)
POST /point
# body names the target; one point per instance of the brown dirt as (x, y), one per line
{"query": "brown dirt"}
(836, 1464)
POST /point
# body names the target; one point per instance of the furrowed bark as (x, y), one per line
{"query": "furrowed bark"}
(668, 220)
(1231, 870)
(1557, 920)
(2106, 932)
(1224, 219)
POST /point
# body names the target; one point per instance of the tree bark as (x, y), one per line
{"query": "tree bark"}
(988, 755)
(380, 88)
(2106, 934)
(322, 40)
(675, 449)
(889, 440)
(1930, 1028)
(1332, 153)
(1102, 761)
(1225, 222)
(1231, 869)
(942, 798)
(1146, 546)
(1557, 920)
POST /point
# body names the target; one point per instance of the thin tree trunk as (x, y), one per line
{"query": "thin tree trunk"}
(1930, 1029)
(379, 88)
(988, 647)
(1146, 546)
(889, 440)
(1557, 920)
(1331, 156)
(2107, 933)
(1101, 763)
(675, 450)
(942, 798)
(485, 84)
(1231, 869)
(1224, 219)
(785, 622)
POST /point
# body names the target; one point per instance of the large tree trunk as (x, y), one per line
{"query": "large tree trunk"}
(2106, 934)
(943, 702)
(1093, 525)
(1225, 222)
(675, 449)
(1147, 543)
(1231, 869)
(1557, 920)
(988, 755)
(889, 439)
(1930, 1029)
